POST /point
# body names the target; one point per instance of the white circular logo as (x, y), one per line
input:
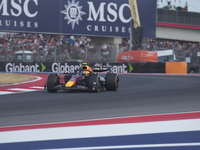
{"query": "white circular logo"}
(73, 13)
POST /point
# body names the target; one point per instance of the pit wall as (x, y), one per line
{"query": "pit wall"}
(116, 67)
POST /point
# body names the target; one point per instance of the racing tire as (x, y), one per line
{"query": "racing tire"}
(191, 71)
(94, 78)
(112, 82)
(51, 82)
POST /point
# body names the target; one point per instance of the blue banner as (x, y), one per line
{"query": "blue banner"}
(77, 17)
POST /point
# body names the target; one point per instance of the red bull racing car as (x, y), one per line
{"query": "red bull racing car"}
(85, 78)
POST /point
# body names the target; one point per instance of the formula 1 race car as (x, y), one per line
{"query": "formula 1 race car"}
(85, 78)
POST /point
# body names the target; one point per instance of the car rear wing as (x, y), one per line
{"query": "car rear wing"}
(101, 69)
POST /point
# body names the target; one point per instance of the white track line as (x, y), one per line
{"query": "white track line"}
(37, 87)
(4, 92)
(20, 89)
(129, 146)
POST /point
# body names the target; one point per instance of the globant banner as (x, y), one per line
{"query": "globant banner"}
(93, 18)
(60, 67)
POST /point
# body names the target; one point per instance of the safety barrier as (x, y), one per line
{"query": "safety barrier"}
(116, 67)
(176, 67)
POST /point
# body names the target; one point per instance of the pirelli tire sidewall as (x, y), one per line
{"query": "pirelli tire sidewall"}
(112, 82)
(52, 81)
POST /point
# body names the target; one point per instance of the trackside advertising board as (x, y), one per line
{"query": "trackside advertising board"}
(116, 67)
(155, 132)
(77, 17)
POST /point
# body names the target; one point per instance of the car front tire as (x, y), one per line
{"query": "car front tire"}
(51, 82)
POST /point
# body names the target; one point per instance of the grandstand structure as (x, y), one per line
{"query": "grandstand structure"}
(178, 25)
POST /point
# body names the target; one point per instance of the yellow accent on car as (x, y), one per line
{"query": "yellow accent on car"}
(85, 63)
(70, 83)
(87, 68)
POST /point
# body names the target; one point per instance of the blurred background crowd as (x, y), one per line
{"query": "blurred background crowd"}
(49, 48)
(45, 48)
(182, 49)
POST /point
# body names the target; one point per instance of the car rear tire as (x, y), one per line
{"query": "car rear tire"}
(94, 78)
(51, 82)
(112, 82)
(191, 71)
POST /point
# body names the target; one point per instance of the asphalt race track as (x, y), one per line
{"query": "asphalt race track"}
(138, 94)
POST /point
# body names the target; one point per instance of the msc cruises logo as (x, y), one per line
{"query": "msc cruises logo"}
(73, 13)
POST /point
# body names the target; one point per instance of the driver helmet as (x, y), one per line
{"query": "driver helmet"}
(87, 68)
